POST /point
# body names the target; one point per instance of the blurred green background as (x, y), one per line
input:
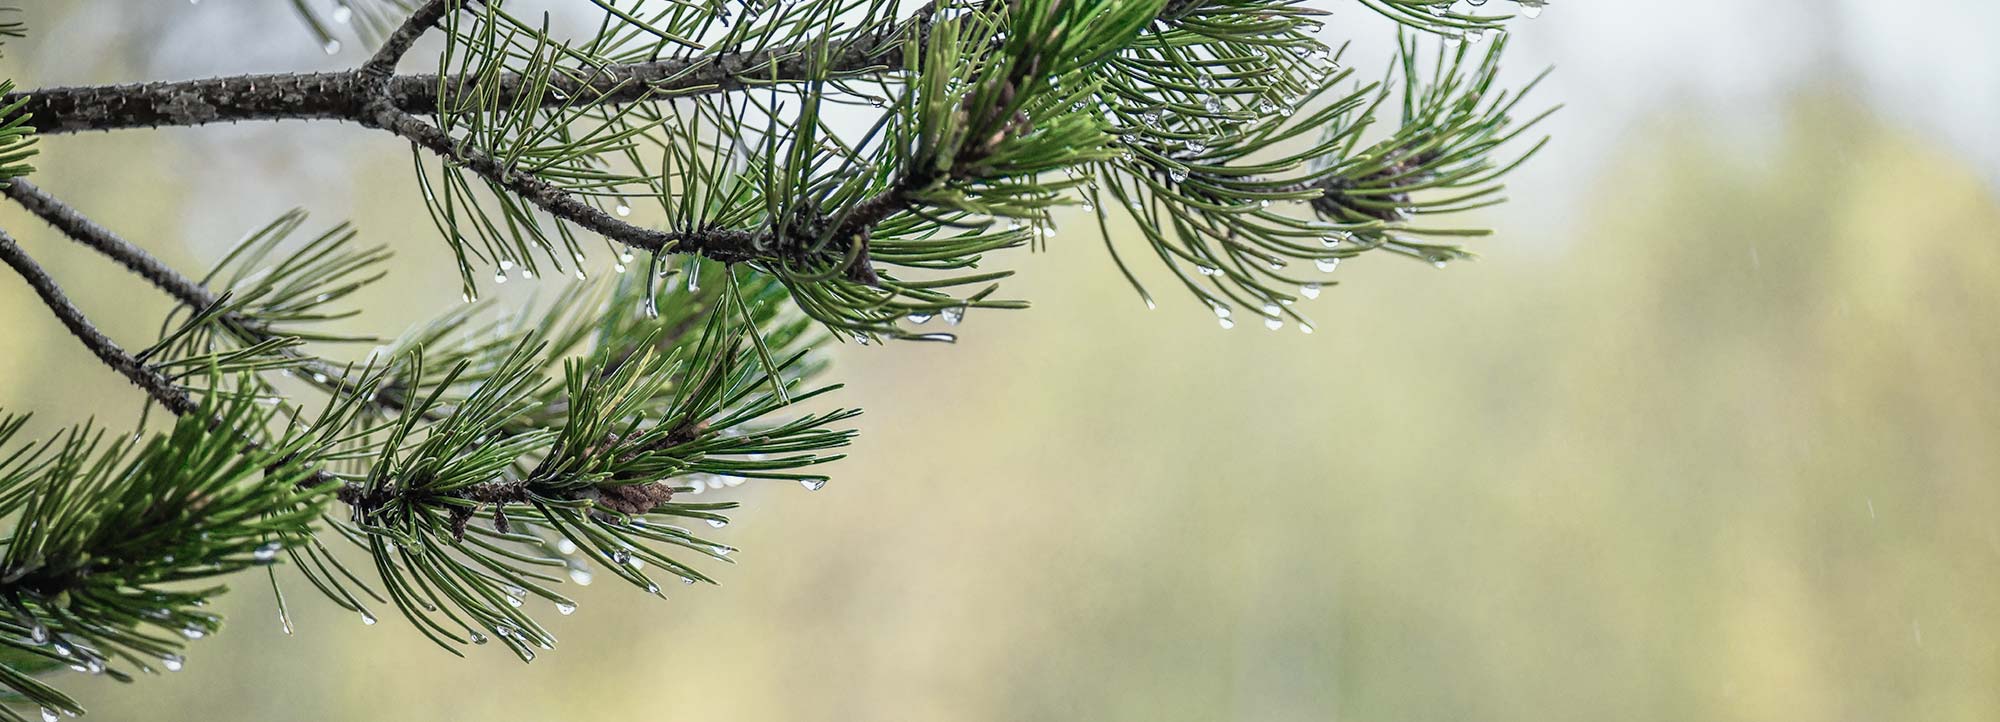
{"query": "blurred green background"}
(1708, 434)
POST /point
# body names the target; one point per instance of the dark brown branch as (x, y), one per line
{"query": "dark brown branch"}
(147, 379)
(343, 95)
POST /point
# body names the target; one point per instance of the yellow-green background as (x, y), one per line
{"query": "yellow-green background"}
(1708, 434)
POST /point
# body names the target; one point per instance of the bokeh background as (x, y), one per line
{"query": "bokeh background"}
(1710, 433)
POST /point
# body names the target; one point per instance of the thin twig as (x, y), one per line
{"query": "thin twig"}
(81, 229)
(375, 73)
(146, 378)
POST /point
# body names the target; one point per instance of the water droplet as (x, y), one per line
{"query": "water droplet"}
(687, 580)
(813, 484)
(1226, 324)
(38, 634)
(954, 315)
(622, 209)
(652, 588)
(1264, 203)
(1213, 104)
(1326, 264)
(193, 632)
(720, 550)
(1207, 270)
(368, 619)
(319, 378)
(621, 556)
(565, 546)
(173, 662)
(1531, 9)
(332, 46)
(1177, 174)
(1305, 328)
(581, 576)
(49, 715)
(618, 267)
(920, 317)
(580, 275)
(1440, 261)
(1221, 311)
(1196, 145)
(269, 552)
(525, 273)
(1270, 309)
(1309, 290)
(506, 265)
(341, 14)
(718, 523)
(478, 638)
(62, 650)
(468, 297)
(500, 277)
(565, 608)
(1273, 322)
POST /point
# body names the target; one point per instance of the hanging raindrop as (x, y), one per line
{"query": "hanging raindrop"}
(812, 484)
